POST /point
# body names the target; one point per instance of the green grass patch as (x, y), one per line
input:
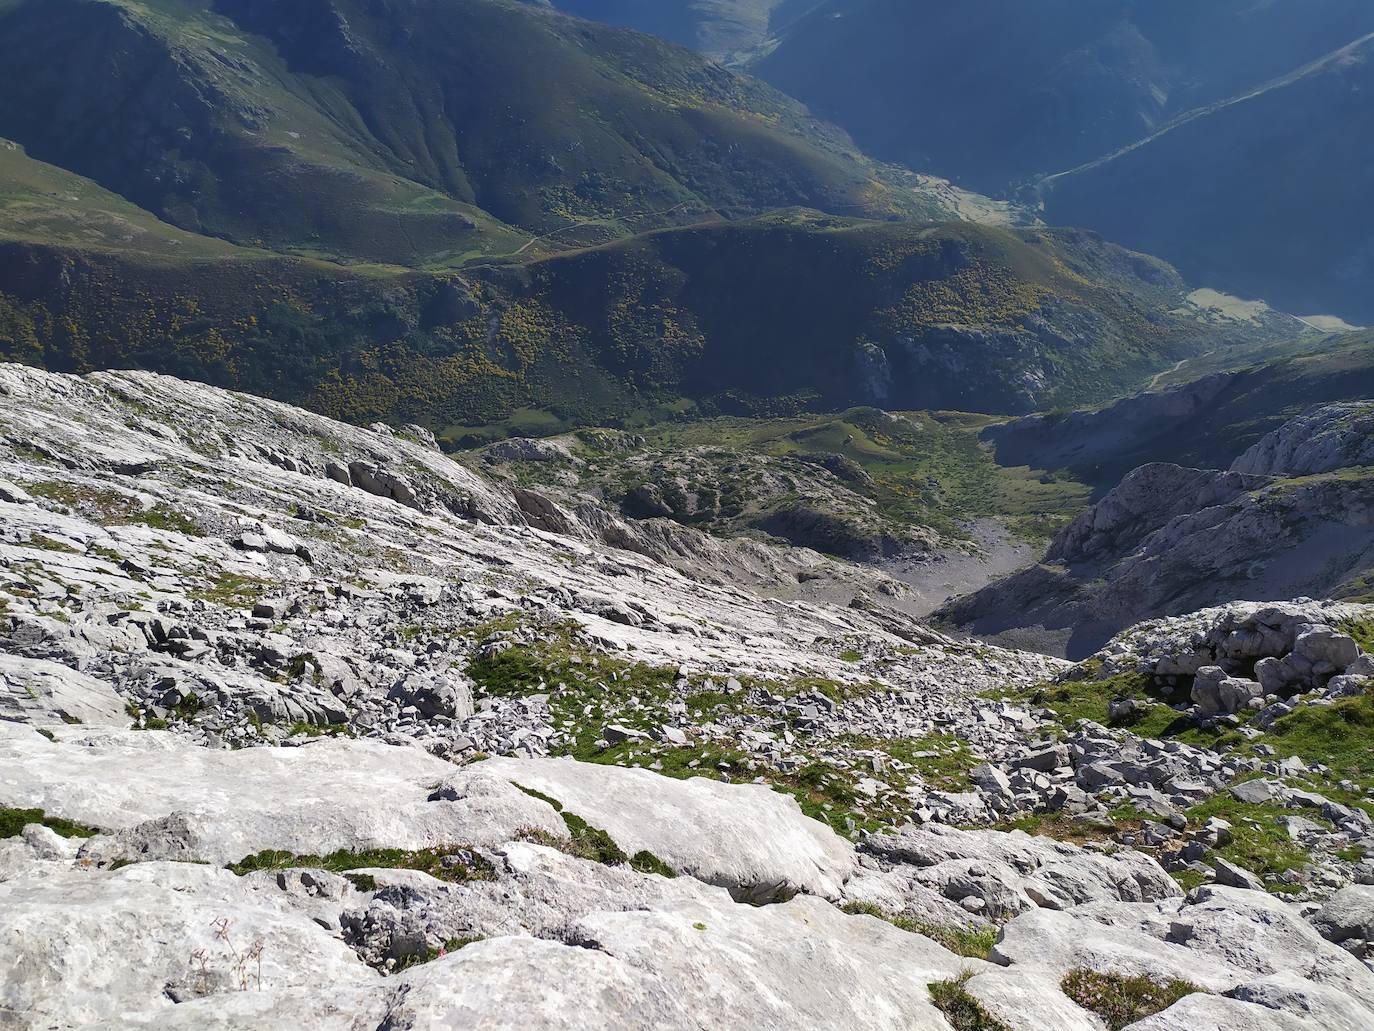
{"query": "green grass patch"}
(13, 822)
(1121, 1000)
(1362, 630)
(46, 543)
(303, 729)
(1259, 841)
(161, 517)
(943, 760)
(232, 590)
(962, 1010)
(970, 942)
(1086, 698)
(633, 694)
(1338, 734)
(455, 865)
(1060, 828)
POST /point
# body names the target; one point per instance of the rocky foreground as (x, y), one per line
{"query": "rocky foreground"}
(305, 725)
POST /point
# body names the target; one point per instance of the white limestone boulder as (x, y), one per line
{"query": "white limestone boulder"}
(745, 837)
(171, 799)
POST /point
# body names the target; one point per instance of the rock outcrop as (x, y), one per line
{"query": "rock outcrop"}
(1292, 517)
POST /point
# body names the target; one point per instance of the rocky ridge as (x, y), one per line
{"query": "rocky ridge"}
(1291, 517)
(307, 725)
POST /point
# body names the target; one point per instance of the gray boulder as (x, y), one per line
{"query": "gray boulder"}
(1231, 876)
(1216, 693)
(1348, 914)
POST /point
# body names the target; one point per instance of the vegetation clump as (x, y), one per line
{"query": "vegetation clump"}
(587, 842)
(429, 955)
(13, 822)
(1259, 840)
(969, 942)
(455, 865)
(961, 1009)
(1120, 1000)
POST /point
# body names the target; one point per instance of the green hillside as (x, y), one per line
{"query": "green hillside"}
(767, 316)
(422, 133)
(39, 202)
(281, 197)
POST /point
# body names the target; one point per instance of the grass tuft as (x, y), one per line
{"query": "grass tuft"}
(969, 942)
(1121, 1000)
(962, 1010)
(13, 822)
(455, 865)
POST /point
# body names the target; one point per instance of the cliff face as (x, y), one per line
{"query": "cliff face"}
(1294, 516)
(1332, 437)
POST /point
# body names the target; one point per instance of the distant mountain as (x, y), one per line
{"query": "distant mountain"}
(994, 92)
(409, 131)
(1254, 118)
(1268, 194)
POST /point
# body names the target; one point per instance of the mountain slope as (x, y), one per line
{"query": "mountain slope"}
(408, 132)
(280, 689)
(762, 316)
(1251, 485)
(43, 203)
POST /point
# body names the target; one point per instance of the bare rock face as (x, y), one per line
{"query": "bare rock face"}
(746, 838)
(230, 804)
(46, 693)
(1334, 436)
(1293, 517)
(1015, 873)
(1146, 501)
